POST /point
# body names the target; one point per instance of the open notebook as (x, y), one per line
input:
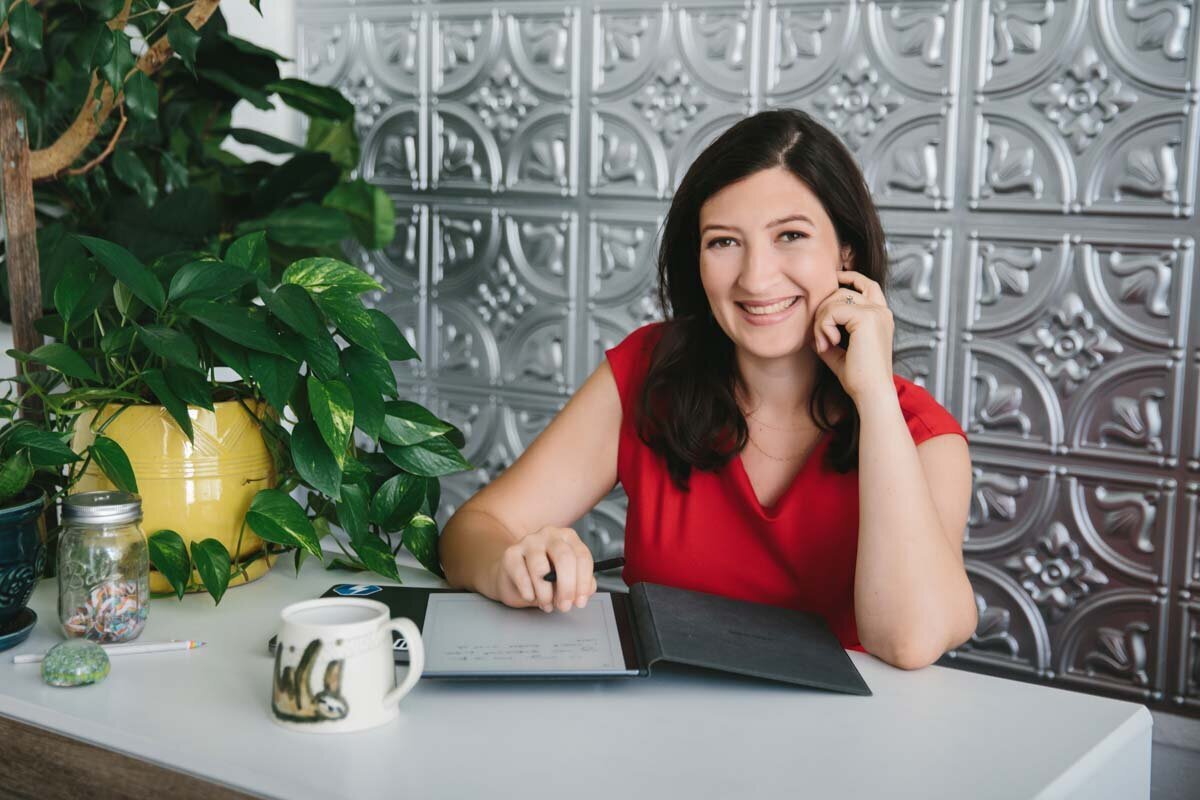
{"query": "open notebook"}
(467, 635)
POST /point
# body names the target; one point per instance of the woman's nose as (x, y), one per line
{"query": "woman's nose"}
(760, 271)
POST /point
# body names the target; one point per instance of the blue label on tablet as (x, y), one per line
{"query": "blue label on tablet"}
(356, 589)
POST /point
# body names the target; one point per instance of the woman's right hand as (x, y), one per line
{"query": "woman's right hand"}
(518, 575)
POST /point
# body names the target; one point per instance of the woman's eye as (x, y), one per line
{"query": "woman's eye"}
(791, 236)
(724, 241)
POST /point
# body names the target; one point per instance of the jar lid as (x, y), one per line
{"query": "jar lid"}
(102, 507)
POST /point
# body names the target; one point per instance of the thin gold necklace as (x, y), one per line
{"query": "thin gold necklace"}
(774, 458)
(750, 415)
(776, 427)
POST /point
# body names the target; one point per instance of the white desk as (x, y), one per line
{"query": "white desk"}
(933, 733)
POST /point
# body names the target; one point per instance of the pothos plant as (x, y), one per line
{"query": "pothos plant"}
(165, 259)
(307, 360)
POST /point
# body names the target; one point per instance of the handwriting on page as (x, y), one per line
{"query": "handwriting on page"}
(558, 653)
(470, 633)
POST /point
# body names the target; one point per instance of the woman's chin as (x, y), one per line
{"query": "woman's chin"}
(781, 344)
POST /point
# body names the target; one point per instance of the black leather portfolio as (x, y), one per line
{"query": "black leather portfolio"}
(651, 625)
(707, 630)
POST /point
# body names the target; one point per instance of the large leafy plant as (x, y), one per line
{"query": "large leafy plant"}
(177, 274)
(298, 350)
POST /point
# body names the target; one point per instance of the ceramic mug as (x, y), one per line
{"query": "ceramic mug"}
(334, 670)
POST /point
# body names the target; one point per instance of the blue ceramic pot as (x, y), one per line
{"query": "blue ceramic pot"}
(22, 551)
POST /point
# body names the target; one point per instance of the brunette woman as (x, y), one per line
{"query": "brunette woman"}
(768, 451)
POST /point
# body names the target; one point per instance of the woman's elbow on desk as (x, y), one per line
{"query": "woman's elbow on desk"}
(921, 648)
(907, 655)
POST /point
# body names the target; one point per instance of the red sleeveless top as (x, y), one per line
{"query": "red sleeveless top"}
(717, 538)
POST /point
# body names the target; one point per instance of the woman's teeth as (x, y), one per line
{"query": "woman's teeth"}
(774, 308)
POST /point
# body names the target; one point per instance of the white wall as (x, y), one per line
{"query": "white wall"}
(275, 30)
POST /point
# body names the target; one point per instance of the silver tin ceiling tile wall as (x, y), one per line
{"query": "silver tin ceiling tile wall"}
(1035, 162)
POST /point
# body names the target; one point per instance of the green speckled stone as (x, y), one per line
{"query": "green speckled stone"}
(75, 662)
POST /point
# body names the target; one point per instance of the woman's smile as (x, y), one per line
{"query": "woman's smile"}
(768, 312)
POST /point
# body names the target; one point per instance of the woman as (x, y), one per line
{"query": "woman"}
(767, 455)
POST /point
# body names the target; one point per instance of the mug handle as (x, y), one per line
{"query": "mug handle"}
(416, 658)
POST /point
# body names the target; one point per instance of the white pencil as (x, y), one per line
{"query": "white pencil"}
(125, 649)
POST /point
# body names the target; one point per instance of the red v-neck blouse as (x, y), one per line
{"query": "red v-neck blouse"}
(717, 538)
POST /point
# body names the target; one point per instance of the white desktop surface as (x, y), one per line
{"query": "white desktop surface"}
(931, 733)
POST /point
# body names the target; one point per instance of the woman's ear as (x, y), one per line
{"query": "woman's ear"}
(847, 255)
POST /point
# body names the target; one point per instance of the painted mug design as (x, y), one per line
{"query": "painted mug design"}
(334, 671)
(292, 697)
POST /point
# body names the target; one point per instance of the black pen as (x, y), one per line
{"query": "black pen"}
(599, 566)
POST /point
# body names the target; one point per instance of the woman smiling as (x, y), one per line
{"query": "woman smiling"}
(768, 451)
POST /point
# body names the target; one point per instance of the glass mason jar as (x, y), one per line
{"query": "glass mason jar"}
(103, 567)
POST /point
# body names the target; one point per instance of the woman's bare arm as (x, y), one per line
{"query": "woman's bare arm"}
(567, 469)
(912, 598)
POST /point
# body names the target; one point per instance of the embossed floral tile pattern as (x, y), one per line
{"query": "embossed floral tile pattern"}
(1035, 162)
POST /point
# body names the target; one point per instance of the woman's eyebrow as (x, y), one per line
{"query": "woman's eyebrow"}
(789, 218)
(771, 224)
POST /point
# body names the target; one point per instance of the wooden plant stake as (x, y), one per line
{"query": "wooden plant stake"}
(20, 222)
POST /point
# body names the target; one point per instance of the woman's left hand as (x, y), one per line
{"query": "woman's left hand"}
(866, 365)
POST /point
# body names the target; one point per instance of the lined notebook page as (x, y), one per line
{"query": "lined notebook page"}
(470, 633)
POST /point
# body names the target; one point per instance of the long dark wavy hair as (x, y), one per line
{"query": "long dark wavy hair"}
(688, 411)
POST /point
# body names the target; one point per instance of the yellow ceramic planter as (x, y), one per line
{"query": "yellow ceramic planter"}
(199, 489)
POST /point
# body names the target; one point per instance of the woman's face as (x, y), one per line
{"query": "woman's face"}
(768, 257)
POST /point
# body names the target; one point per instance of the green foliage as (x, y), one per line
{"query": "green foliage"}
(337, 138)
(123, 266)
(141, 98)
(320, 275)
(15, 475)
(26, 26)
(332, 408)
(59, 357)
(169, 555)
(420, 538)
(432, 458)
(315, 101)
(406, 423)
(316, 464)
(171, 261)
(276, 517)
(44, 448)
(109, 456)
(184, 40)
(371, 213)
(213, 564)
